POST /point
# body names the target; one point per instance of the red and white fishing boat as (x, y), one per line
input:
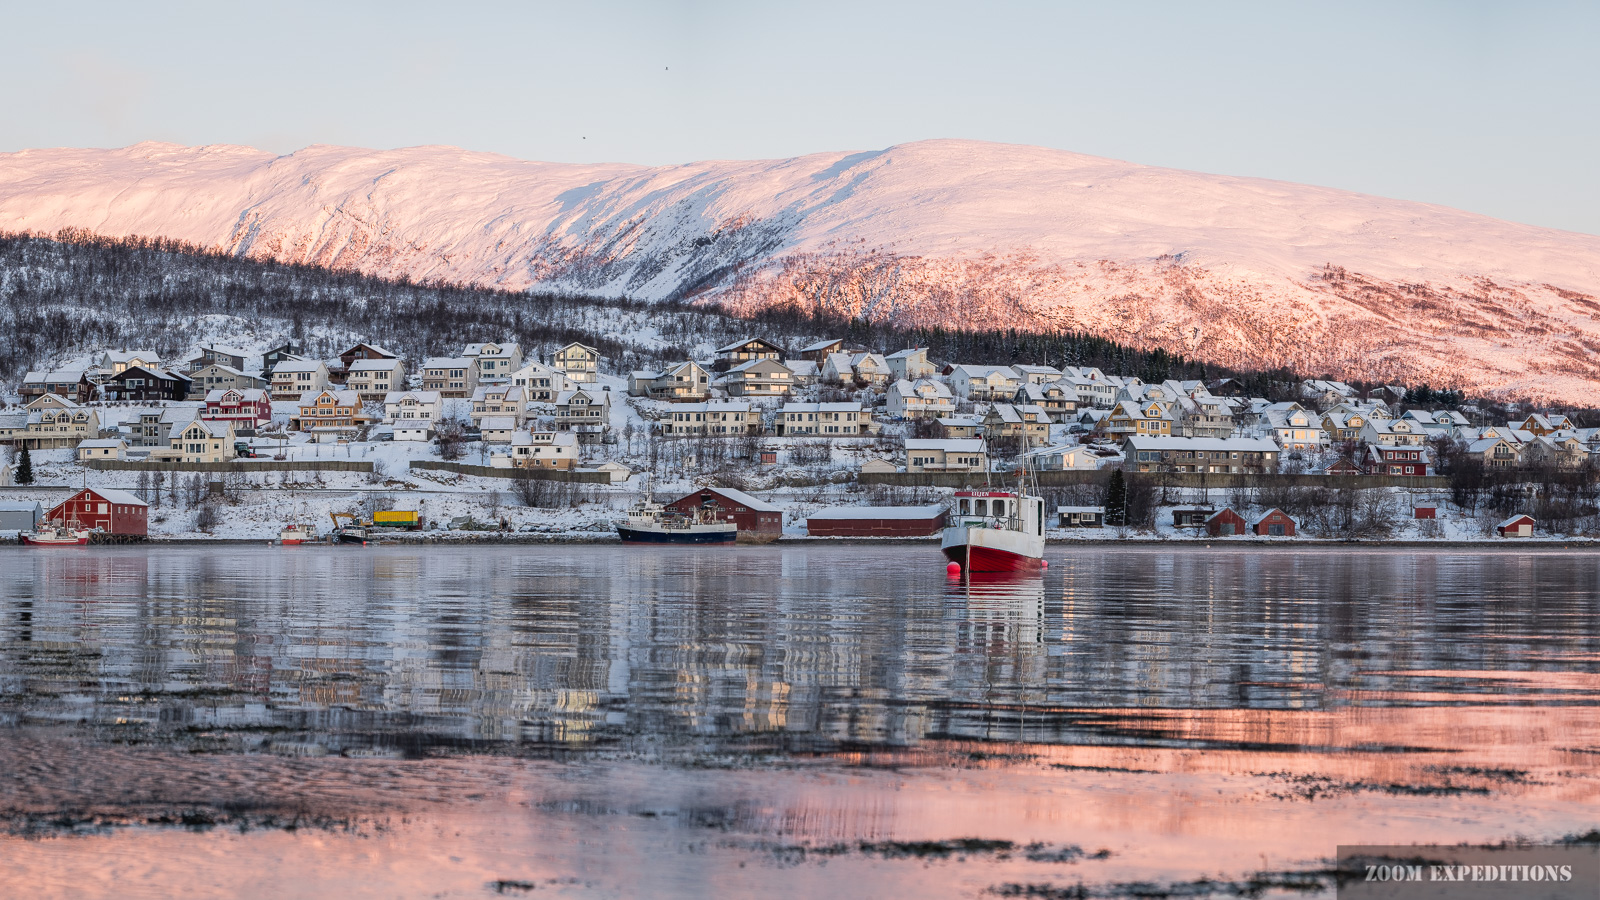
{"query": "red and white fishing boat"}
(995, 531)
(297, 533)
(54, 534)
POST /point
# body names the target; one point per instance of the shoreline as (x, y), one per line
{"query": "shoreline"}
(600, 538)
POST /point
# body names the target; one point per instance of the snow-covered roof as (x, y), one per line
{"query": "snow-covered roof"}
(1517, 518)
(340, 398)
(497, 423)
(907, 353)
(818, 345)
(743, 341)
(545, 438)
(425, 397)
(740, 497)
(929, 511)
(112, 495)
(1268, 514)
(374, 365)
(447, 362)
(102, 443)
(247, 395)
(948, 445)
(1227, 445)
(710, 406)
(1098, 510)
(291, 366)
(798, 408)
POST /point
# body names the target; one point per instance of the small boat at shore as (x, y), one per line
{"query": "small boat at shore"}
(649, 522)
(297, 533)
(54, 534)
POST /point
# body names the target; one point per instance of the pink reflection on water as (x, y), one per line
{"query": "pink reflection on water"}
(1189, 793)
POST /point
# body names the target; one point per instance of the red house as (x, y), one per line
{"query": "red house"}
(1224, 523)
(111, 511)
(876, 521)
(1342, 466)
(1424, 511)
(1275, 523)
(758, 520)
(247, 408)
(1516, 526)
(1403, 461)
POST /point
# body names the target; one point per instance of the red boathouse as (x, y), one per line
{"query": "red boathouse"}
(111, 511)
(758, 520)
(876, 521)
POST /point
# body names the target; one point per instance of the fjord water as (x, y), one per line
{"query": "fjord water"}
(839, 720)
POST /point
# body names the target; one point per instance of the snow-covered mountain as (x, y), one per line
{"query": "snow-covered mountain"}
(1246, 272)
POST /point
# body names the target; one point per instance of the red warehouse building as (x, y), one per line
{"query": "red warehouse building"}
(1275, 523)
(1224, 523)
(876, 521)
(758, 520)
(111, 511)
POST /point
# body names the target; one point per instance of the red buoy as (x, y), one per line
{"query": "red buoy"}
(953, 569)
(1044, 564)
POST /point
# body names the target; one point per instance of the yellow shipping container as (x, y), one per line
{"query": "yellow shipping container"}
(395, 518)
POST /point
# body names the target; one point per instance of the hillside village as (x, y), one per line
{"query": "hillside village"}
(822, 425)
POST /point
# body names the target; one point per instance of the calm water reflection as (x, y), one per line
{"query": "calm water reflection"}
(1234, 665)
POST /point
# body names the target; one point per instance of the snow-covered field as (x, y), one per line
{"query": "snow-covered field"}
(1239, 271)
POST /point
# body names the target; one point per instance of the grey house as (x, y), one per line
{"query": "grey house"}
(20, 516)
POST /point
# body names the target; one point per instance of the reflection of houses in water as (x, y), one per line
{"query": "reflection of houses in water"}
(796, 647)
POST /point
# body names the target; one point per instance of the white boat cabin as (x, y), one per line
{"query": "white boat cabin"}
(999, 509)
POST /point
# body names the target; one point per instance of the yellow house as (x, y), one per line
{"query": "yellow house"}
(330, 409)
(203, 441)
(1143, 420)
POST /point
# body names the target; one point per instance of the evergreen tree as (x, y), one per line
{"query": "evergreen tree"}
(1116, 499)
(24, 466)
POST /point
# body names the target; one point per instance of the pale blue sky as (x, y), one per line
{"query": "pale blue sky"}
(1488, 107)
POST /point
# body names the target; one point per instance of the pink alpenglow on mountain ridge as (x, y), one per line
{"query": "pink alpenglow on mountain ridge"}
(1240, 271)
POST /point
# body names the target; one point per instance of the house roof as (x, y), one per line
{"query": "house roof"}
(749, 340)
(373, 347)
(821, 407)
(710, 406)
(1099, 510)
(298, 365)
(96, 443)
(740, 497)
(549, 438)
(948, 445)
(419, 396)
(1229, 445)
(507, 391)
(908, 352)
(112, 495)
(820, 345)
(1518, 518)
(247, 395)
(340, 398)
(759, 363)
(374, 365)
(1225, 511)
(447, 362)
(1267, 515)
(497, 423)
